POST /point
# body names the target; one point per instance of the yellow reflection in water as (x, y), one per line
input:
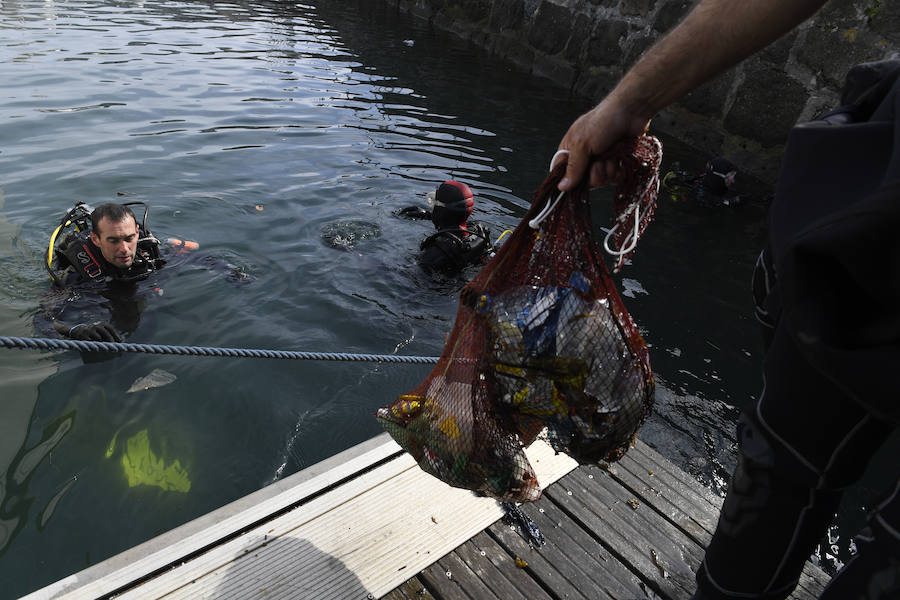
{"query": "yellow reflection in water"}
(143, 467)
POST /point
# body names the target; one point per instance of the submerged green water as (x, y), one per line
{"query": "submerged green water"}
(265, 131)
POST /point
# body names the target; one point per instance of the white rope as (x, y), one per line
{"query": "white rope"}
(631, 240)
(555, 156)
(536, 222)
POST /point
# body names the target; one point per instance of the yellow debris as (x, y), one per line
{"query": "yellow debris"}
(142, 467)
(450, 428)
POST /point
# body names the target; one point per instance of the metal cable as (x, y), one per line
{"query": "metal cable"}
(88, 346)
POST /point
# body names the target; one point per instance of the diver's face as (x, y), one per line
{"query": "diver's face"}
(117, 240)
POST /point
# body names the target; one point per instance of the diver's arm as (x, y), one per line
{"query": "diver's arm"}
(85, 325)
(98, 331)
(715, 35)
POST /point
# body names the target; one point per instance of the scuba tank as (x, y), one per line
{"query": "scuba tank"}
(74, 249)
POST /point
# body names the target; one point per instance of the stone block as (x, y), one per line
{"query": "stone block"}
(514, 49)
(578, 41)
(605, 45)
(838, 13)
(702, 135)
(604, 3)
(555, 69)
(767, 104)
(507, 15)
(551, 28)
(883, 17)
(671, 13)
(830, 52)
(470, 11)
(709, 99)
(419, 10)
(637, 8)
(779, 52)
(595, 83)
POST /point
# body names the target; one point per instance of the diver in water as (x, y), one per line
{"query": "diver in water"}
(458, 241)
(98, 265)
(108, 258)
(714, 187)
(115, 249)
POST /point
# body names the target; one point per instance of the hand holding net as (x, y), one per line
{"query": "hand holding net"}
(542, 345)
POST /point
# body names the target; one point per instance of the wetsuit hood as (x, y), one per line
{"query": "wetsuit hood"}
(453, 204)
(720, 174)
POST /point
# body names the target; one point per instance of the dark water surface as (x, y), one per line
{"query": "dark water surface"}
(254, 128)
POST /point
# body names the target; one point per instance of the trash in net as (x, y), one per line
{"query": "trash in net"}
(542, 346)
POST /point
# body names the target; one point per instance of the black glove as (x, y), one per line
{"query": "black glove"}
(100, 331)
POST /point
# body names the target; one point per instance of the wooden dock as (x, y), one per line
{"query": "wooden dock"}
(368, 523)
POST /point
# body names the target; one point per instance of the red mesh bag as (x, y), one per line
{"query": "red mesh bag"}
(542, 345)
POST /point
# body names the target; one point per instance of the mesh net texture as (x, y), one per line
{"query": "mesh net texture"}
(542, 345)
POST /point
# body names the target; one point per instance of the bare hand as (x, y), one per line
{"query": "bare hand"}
(590, 136)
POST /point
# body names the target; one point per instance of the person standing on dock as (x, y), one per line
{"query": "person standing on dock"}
(831, 317)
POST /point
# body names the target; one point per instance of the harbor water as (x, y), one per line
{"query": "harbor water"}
(283, 138)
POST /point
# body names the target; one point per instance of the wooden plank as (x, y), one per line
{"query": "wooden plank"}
(512, 581)
(367, 534)
(706, 500)
(161, 552)
(388, 521)
(446, 588)
(571, 563)
(689, 503)
(412, 589)
(549, 466)
(458, 573)
(693, 500)
(639, 537)
(588, 555)
(542, 565)
(212, 568)
(649, 525)
(654, 487)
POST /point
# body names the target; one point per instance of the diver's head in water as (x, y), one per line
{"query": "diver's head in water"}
(720, 174)
(452, 204)
(114, 230)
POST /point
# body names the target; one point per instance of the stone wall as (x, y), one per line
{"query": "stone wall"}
(744, 114)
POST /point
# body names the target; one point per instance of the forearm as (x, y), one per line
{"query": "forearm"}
(714, 36)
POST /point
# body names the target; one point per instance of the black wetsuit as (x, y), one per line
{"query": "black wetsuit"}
(89, 288)
(84, 262)
(827, 291)
(449, 251)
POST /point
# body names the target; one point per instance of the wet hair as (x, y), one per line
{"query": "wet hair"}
(112, 211)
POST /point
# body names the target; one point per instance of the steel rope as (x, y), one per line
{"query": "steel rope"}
(23, 343)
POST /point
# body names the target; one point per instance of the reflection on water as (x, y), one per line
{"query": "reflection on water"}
(143, 467)
(271, 134)
(20, 375)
